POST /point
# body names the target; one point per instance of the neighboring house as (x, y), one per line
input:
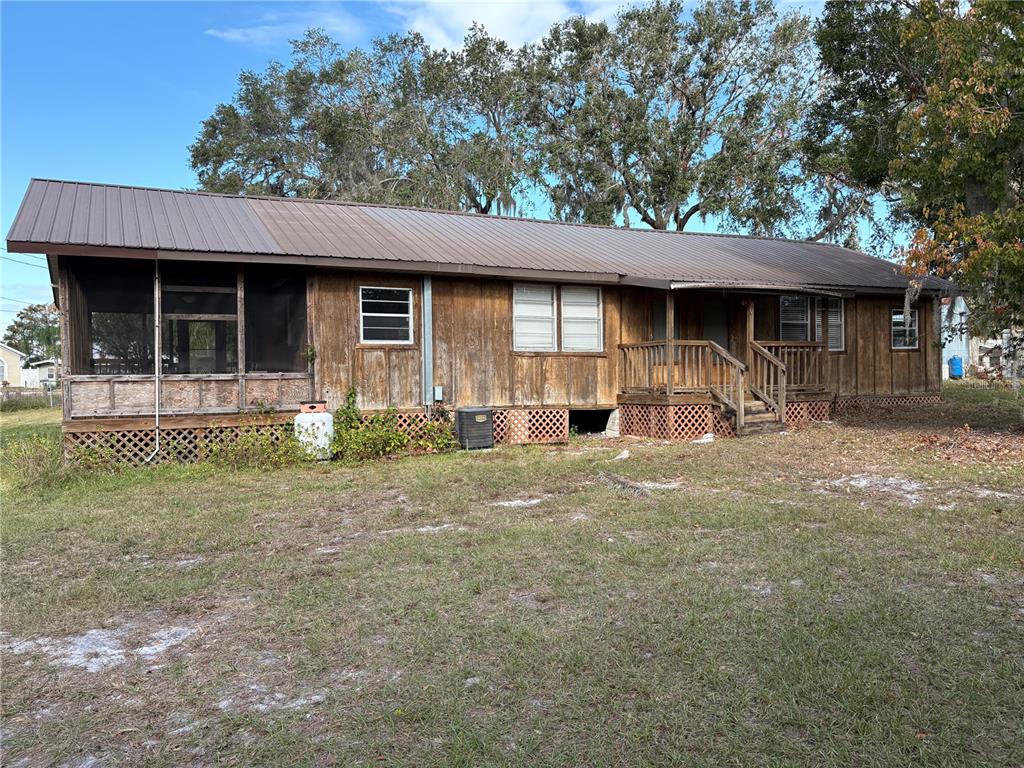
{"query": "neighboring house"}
(956, 341)
(10, 365)
(266, 302)
(41, 374)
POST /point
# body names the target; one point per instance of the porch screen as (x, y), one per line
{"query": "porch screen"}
(904, 329)
(275, 320)
(794, 322)
(836, 323)
(581, 319)
(199, 311)
(533, 318)
(117, 299)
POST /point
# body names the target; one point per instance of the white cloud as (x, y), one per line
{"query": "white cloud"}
(443, 23)
(269, 29)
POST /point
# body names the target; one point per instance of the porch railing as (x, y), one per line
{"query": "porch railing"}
(804, 362)
(768, 379)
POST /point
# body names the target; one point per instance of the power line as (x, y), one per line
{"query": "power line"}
(20, 301)
(25, 263)
(33, 255)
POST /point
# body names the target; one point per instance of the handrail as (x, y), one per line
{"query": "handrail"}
(756, 345)
(721, 351)
(804, 360)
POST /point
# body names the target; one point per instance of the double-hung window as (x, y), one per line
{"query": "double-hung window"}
(385, 315)
(581, 319)
(533, 318)
(836, 323)
(904, 329)
(538, 311)
(794, 318)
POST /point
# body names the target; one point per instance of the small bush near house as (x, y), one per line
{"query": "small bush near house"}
(375, 438)
(35, 460)
(256, 448)
(438, 435)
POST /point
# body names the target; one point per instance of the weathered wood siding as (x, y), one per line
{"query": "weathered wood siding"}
(383, 374)
(475, 363)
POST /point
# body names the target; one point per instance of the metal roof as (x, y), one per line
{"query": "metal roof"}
(101, 216)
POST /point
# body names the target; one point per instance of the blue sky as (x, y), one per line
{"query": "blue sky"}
(115, 92)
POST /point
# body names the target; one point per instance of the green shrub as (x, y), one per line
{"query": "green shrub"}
(256, 448)
(438, 435)
(375, 438)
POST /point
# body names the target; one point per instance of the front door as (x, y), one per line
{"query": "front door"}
(716, 320)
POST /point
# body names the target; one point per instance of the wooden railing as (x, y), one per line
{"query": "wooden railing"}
(767, 380)
(804, 362)
(692, 366)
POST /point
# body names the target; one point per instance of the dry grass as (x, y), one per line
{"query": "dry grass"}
(843, 594)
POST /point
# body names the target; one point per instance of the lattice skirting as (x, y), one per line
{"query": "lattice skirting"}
(888, 401)
(531, 425)
(410, 422)
(133, 446)
(672, 422)
(807, 411)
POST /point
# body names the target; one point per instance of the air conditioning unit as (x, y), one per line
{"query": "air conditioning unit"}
(474, 427)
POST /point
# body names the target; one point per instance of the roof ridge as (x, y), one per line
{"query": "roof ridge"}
(422, 209)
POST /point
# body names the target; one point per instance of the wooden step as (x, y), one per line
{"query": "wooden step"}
(761, 427)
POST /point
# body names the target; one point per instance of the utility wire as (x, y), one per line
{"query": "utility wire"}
(26, 263)
(19, 301)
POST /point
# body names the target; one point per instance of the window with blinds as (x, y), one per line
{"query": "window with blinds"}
(836, 323)
(533, 318)
(794, 318)
(581, 319)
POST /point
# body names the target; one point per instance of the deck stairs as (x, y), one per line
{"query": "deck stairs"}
(758, 418)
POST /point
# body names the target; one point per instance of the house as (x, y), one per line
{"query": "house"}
(10, 365)
(40, 374)
(956, 341)
(252, 305)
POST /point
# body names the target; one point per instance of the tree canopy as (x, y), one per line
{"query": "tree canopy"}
(35, 330)
(899, 118)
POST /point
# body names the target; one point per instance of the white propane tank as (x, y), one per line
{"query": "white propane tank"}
(314, 429)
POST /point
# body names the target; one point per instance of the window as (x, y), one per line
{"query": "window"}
(533, 318)
(3, 370)
(836, 323)
(199, 318)
(581, 319)
(904, 329)
(275, 320)
(794, 320)
(385, 315)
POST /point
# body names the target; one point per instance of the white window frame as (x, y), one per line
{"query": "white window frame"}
(3, 370)
(807, 317)
(600, 318)
(842, 322)
(914, 325)
(392, 342)
(516, 346)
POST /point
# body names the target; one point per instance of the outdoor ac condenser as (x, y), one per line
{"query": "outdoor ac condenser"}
(475, 427)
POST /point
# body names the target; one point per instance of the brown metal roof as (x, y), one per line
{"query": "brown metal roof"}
(66, 213)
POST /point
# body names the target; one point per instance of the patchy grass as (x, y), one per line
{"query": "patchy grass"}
(15, 425)
(840, 594)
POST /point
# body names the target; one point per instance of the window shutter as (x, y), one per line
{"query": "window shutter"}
(581, 319)
(533, 313)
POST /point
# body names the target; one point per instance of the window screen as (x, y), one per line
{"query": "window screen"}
(533, 318)
(275, 320)
(793, 318)
(118, 297)
(836, 323)
(904, 329)
(581, 319)
(385, 315)
(199, 317)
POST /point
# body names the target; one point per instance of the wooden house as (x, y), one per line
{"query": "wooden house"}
(196, 311)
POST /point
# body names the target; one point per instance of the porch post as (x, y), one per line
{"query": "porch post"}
(822, 353)
(670, 334)
(748, 358)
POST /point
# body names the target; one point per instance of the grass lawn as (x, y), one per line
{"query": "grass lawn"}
(848, 594)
